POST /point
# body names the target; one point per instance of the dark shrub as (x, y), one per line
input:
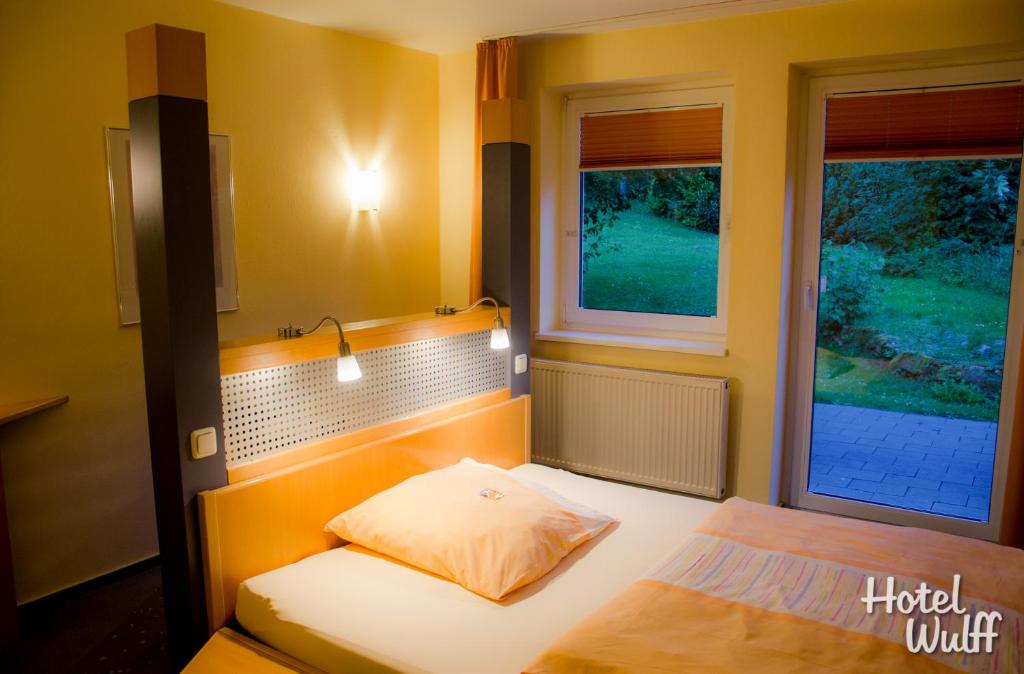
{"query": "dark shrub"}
(980, 268)
(863, 341)
(849, 272)
(907, 262)
(957, 392)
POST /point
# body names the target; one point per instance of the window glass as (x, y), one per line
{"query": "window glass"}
(650, 240)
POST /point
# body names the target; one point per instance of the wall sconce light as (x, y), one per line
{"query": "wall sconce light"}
(348, 366)
(499, 334)
(364, 189)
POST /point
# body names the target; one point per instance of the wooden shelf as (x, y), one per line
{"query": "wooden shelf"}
(254, 354)
(8, 604)
(13, 411)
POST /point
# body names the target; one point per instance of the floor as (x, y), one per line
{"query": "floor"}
(911, 461)
(112, 628)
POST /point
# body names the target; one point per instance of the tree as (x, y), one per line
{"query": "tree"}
(978, 201)
(605, 195)
(891, 205)
(690, 196)
(907, 206)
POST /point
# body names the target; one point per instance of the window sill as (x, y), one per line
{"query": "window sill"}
(699, 347)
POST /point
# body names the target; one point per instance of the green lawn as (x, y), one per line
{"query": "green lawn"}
(949, 323)
(654, 265)
(848, 380)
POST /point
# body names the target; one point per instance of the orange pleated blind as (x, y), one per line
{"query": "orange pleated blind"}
(984, 121)
(651, 138)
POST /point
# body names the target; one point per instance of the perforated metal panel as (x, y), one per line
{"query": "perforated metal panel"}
(266, 411)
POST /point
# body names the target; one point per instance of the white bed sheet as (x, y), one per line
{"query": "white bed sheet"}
(347, 610)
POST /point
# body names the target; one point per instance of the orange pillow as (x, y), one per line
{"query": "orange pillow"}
(475, 524)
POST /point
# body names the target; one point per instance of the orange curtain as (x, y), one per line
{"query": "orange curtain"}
(496, 77)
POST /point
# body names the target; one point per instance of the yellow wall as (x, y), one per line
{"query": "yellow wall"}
(757, 53)
(457, 75)
(299, 102)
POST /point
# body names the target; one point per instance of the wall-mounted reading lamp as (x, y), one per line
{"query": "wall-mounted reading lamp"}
(499, 335)
(348, 366)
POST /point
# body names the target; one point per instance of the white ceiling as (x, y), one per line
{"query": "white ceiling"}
(443, 26)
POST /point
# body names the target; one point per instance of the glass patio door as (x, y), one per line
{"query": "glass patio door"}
(907, 313)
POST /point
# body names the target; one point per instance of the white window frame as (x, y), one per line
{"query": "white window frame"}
(667, 331)
(804, 303)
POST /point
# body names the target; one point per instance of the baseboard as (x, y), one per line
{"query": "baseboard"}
(43, 604)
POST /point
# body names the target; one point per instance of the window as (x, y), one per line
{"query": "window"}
(646, 196)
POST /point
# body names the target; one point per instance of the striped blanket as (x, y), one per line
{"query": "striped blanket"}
(764, 589)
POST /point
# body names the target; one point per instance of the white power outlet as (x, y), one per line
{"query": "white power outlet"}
(521, 364)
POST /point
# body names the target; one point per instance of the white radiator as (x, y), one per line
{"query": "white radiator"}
(652, 428)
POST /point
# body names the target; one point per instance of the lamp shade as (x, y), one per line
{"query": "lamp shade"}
(365, 189)
(348, 368)
(499, 338)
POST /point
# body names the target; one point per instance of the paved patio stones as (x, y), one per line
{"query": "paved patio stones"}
(911, 461)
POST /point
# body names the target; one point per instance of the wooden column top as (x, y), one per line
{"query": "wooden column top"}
(13, 411)
(506, 120)
(166, 61)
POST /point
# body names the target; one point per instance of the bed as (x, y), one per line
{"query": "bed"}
(348, 609)
(680, 584)
(766, 589)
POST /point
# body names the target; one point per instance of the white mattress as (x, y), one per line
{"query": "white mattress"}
(347, 610)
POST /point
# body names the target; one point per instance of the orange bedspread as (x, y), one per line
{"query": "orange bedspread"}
(764, 589)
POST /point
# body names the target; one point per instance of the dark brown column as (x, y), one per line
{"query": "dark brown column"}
(506, 221)
(170, 161)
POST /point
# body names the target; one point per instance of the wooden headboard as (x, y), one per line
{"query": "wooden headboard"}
(260, 524)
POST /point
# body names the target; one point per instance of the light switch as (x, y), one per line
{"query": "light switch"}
(204, 442)
(521, 364)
